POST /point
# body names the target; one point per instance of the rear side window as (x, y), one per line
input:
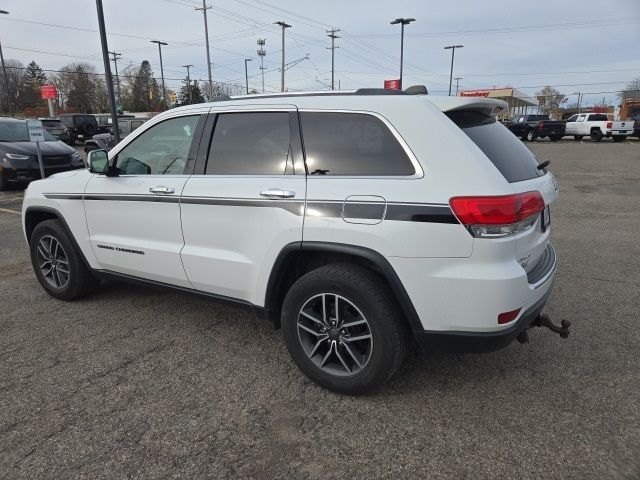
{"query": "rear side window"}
(80, 119)
(514, 161)
(256, 143)
(351, 144)
(52, 123)
(598, 117)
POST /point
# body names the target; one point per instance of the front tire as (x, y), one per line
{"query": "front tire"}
(57, 264)
(555, 138)
(3, 181)
(342, 329)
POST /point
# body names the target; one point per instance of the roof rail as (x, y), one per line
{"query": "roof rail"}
(413, 90)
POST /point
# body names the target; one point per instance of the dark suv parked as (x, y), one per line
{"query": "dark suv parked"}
(80, 125)
(56, 128)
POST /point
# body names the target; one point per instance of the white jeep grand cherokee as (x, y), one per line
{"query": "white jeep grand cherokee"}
(353, 220)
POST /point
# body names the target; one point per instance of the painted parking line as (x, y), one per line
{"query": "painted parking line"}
(10, 211)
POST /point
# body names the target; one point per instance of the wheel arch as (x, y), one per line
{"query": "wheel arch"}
(35, 215)
(298, 258)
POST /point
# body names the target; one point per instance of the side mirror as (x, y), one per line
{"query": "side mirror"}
(98, 161)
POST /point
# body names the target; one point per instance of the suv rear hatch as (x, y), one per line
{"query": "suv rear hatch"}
(521, 169)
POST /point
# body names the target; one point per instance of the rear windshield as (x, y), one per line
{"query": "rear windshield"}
(52, 123)
(506, 152)
(80, 119)
(17, 132)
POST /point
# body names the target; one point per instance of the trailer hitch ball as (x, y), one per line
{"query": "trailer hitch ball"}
(562, 330)
(545, 321)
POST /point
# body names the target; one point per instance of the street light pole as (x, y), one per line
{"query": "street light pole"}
(457, 79)
(204, 9)
(284, 26)
(164, 92)
(188, 81)
(402, 22)
(6, 78)
(246, 74)
(107, 70)
(453, 53)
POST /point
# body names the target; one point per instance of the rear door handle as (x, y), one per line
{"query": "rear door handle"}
(278, 193)
(162, 189)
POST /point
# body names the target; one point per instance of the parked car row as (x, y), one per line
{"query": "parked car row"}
(594, 125)
(19, 157)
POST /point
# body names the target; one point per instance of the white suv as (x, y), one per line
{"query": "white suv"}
(353, 220)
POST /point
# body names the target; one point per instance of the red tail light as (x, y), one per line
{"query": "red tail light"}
(507, 317)
(540, 126)
(494, 216)
(609, 124)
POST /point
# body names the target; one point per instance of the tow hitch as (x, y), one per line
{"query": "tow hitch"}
(545, 321)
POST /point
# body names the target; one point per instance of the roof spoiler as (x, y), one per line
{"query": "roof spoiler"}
(413, 90)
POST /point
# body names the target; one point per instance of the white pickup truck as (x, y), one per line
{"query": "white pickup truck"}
(597, 126)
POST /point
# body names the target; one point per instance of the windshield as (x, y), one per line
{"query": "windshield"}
(17, 132)
(514, 161)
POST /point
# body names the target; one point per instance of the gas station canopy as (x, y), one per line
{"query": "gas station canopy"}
(519, 102)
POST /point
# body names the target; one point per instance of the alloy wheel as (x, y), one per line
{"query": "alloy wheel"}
(335, 334)
(53, 262)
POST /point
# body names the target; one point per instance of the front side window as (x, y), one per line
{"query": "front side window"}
(572, 118)
(351, 144)
(161, 150)
(256, 143)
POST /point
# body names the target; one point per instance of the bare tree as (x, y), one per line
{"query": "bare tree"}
(631, 90)
(549, 99)
(15, 77)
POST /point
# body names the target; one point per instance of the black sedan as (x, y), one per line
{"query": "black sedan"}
(19, 157)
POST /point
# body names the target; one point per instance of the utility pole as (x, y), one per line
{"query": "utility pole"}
(284, 26)
(457, 79)
(402, 22)
(6, 78)
(332, 35)
(116, 57)
(164, 92)
(107, 70)
(188, 81)
(246, 73)
(453, 53)
(204, 9)
(261, 53)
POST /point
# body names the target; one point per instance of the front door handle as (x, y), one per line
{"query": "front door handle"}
(277, 193)
(162, 189)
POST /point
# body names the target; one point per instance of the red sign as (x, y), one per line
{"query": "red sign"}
(474, 93)
(392, 85)
(48, 91)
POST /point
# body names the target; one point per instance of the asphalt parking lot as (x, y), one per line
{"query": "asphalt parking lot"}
(133, 382)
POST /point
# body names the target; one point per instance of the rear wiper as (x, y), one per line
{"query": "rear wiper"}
(319, 171)
(544, 165)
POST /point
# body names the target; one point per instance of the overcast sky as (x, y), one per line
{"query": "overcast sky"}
(523, 44)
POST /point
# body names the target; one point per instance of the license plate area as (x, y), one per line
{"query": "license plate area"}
(545, 218)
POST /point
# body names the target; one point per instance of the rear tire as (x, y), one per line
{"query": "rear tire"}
(365, 312)
(530, 136)
(577, 137)
(619, 139)
(596, 135)
(3, 181)
(58, 266)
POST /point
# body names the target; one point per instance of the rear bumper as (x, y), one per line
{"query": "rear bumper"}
(480, 342)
